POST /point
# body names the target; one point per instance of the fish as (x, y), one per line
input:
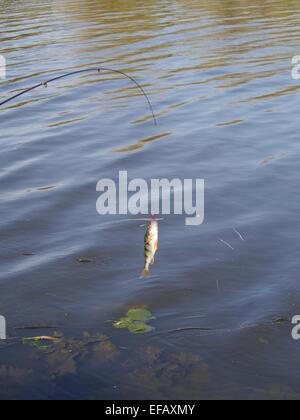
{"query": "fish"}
(151, 245)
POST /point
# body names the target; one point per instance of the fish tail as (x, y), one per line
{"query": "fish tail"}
(145, 273)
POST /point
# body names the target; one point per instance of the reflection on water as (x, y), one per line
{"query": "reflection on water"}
(219, 76)
(141, 143)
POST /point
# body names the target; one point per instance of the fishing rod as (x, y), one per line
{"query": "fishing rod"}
(77, 72)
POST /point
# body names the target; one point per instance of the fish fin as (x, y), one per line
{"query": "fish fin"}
(145, 274)
(153, 216)
(153, 261)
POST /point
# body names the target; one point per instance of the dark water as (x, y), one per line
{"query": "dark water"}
(219, 76)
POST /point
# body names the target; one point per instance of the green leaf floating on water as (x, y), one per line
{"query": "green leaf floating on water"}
(138, 327)
(123, 323)
(136, 321)
(139, 314)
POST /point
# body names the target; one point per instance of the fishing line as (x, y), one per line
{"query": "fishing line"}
(77, 72)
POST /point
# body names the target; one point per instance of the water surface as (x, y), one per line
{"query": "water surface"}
(219, 76)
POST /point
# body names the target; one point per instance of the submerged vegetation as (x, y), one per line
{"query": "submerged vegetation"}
(62, 354)
(144, 368)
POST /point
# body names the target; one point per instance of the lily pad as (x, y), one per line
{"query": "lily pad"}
(138, 327)
(123, 323)
(139, 314)
(136, 321)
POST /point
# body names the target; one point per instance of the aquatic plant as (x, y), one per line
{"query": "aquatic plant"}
(136, 321)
